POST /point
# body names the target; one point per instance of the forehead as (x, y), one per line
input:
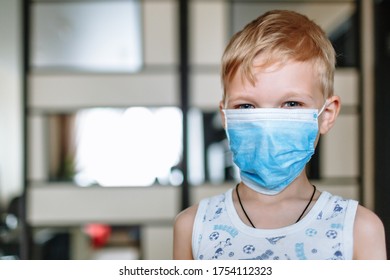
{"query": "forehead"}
(301, 73)
(291, 77)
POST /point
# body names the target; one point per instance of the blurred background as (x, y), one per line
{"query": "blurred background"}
(109, 121)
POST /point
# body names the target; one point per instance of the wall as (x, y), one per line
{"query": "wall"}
(58, 205)
(11, 109)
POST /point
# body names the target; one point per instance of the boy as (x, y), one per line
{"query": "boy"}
(277, 75)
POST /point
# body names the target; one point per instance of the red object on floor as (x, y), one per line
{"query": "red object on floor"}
(99, 234)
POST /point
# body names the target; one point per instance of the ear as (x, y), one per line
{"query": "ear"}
(330, 113)
(222, 114)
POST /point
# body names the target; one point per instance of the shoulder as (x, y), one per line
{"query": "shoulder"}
(369, 235)
(182, 233)
(184, 225)
(186, 217)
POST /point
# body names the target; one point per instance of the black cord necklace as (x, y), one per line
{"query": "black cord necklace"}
(300, 217)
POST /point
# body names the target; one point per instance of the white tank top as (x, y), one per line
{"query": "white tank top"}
(326, 232)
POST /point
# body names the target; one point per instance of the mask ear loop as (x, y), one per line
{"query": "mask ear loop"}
(323, 108)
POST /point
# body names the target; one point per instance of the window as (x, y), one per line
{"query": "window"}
(93, 36)
(135, 146)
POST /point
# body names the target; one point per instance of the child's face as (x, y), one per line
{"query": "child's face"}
(295, 85)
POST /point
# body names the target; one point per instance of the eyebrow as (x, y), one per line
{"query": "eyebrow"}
(296, 94)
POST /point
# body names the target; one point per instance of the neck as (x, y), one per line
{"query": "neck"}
(300, 187)
(275, 211)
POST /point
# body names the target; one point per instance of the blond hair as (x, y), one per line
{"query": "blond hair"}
(279, 36)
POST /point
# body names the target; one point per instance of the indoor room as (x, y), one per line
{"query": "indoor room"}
(110, 123)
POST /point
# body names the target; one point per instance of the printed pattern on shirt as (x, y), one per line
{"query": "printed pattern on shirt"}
(323, 237)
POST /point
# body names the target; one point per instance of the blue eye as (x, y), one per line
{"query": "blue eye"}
(245, 106)
(292, 104)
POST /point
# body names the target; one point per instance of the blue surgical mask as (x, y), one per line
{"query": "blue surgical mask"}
(271, 146)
